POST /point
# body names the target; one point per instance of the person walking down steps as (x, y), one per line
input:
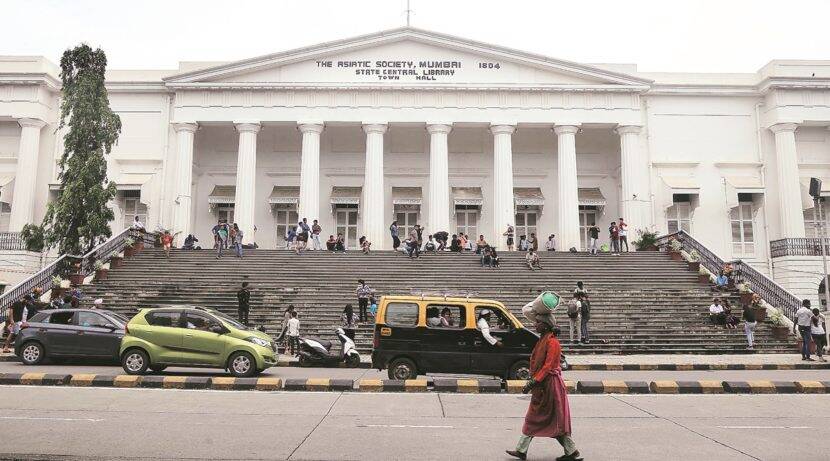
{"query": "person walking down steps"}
(243, 296)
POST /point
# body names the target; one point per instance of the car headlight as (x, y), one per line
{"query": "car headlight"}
(258, 341)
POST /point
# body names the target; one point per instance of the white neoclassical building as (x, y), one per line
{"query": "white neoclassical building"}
(450, 133)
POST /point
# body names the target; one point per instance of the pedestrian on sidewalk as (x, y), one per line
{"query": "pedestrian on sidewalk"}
(315, 235)
(818, 331)
(293, 332)
(614, 233)
(548, 414)
(750, 322)
(243, 296)
(364, 292)
(509, 233)
(16, 317)
(574, 306)
(584, 317)
(804, 320)
(349, 321)
(623, 227)
(396, 240)
(237, 240)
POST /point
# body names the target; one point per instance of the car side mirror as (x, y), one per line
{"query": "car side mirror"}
(218, 329)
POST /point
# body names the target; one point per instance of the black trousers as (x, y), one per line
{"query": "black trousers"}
(396, 242)
(243, 313)
(363, 305)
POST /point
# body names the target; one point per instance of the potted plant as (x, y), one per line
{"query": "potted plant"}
(759, 307)
(115, 261)
(129, 249)
(647, 240)
(746, 294)
(57, 288)
(101, 271)
(674, 250)
(780, 330)
(694, 261)
(76, 277)
(703, 276)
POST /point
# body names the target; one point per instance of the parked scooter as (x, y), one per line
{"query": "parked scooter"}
(317, 352)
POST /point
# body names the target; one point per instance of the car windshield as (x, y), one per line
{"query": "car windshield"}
(229, 320)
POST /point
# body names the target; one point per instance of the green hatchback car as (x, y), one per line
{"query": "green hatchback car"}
(189, 336)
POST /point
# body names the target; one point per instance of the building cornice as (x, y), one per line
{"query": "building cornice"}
(704, 90)
(794, 83)
(41, 78)
(411, 87)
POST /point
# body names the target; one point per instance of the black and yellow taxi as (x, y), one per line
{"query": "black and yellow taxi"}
(415, 335)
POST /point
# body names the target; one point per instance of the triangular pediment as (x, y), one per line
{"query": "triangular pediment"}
(406, 56)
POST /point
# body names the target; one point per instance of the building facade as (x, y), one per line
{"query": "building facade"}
(453, 134)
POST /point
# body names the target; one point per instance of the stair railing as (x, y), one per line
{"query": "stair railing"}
(63, 265)
(771, 292)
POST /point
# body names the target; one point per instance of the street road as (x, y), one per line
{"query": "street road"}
(354, 373)
(83, 423)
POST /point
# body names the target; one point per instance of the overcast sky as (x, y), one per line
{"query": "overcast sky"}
(658, 35)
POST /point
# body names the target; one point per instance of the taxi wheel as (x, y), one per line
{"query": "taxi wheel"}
(519, 370)
(403, 369)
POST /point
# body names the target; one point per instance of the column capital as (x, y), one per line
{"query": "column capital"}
(375, 128)
(782, 127)
(566, 129)
(31, 123)
(310, 127)
(439, 128)
(185, 126)
(502, 129)
(247, 127)
(628, 129)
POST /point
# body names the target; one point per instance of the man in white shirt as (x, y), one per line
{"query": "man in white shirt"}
(138, 225)
(803, 320)
(716, 313)
(550, 245)
(293, 333)
(483, 324)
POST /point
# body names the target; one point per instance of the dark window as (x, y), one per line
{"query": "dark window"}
(40, 317)
(197, 321)
(445, 316)
(61, 318)
(402, 314)
(498, 320)
(164, 318)
(91, 319)
(682, 198)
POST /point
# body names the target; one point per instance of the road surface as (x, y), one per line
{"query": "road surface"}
(89, 423)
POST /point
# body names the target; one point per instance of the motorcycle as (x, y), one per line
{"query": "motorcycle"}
(317, 352)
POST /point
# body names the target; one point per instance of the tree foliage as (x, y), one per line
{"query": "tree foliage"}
(79, 218)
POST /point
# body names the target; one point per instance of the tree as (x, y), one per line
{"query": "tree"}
(79, 218)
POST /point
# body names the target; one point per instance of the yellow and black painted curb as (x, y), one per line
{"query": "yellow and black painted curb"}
(469, 386)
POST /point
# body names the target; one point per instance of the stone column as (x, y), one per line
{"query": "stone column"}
(635, 196)
(789, 188)
(568, 207)
(25, 178)
(185, 134)
(310, 171)
(439, 179)
(244, 202)
(373, 204)
(504, 211)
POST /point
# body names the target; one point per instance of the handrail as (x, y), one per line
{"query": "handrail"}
(771, 292)
(11, 241)
(85, 265)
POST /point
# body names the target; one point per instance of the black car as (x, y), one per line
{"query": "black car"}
(71, 333)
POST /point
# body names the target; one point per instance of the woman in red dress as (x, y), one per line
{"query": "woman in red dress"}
(549, 414)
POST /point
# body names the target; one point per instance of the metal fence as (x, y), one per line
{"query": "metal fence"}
(798, 247)
(771, 292)
(11, 241)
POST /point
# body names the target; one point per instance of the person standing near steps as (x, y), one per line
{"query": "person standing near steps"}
(243, 296)
(363, 295)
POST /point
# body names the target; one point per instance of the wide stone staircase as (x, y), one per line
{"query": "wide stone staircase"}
(642, 302)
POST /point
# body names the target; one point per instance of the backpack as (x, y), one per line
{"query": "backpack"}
(573, 308)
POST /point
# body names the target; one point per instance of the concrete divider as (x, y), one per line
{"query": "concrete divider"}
(473, 386)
